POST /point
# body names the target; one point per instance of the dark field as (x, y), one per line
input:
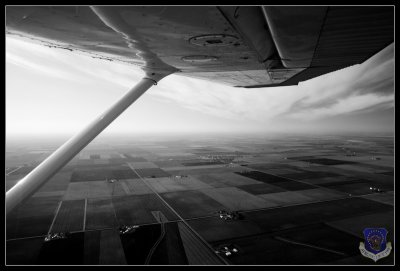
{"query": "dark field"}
(325, 161)
(169, 251)
(262, 177)
(215, 229)
(70, 216)
(33, 218)
(300, 200)
(310, 175)
(85, 175)
(192, 203)
(131, 158)
(101, 174)
(100, 214)
(152, 173)
(252, 248)
(314, 213)
(203, 163)
(124, 174)
(64, 251)
(257, 189)
(136, 209)
(23, 251)
(293, 186)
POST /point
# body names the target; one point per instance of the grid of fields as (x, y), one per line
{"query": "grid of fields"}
(298, 203)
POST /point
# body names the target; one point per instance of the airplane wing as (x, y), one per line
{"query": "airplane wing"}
(243, 46)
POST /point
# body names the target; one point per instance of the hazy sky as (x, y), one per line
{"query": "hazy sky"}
(55, 91)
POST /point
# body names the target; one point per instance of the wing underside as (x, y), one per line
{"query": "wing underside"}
(238, 46)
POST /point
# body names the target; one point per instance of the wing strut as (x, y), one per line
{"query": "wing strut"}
(43, 172)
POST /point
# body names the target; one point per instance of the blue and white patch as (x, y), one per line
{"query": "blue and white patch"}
(375, 246)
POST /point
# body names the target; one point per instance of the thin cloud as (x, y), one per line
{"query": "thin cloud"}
(345, 106)
(32, 66)
(68, 65)
(325, 95)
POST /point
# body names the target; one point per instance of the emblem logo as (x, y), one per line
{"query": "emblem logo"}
(375, 246)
